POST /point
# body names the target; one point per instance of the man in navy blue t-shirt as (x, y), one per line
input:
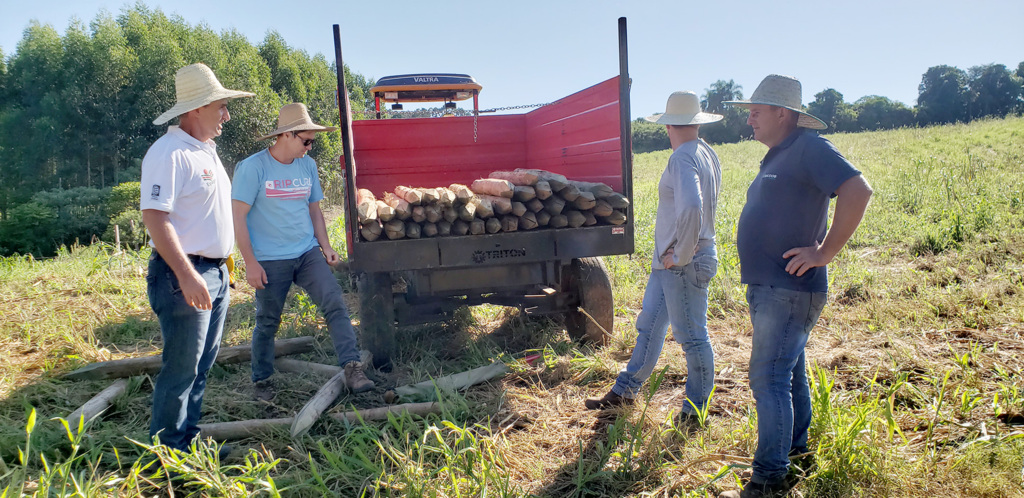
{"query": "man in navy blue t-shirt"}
(784, 244)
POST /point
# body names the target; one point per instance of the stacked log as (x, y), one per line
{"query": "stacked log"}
(506, 201)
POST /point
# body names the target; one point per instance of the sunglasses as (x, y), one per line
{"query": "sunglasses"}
(306, 142)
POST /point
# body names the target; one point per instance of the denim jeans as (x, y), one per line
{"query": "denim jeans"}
(676, 296)
(191, 341)
(311, 272)
(782, 321)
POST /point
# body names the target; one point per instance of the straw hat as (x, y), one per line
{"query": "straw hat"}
(196, 86)
(782, 91)
(683, 108)
(295, 117)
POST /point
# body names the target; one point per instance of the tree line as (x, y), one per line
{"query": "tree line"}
(946, 95)
(76, 113)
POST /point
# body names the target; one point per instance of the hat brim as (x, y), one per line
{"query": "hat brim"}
(300, 127)
(684, 119)
(804, 121)
(191, 105)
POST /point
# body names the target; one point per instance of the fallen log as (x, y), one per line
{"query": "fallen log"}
(456, 382)
(98, 403)
(300, 366)
(149, 365)
(323, 398)
(227, 431)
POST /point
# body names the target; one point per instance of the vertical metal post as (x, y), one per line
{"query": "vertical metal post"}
(624, 118)
(345, 114)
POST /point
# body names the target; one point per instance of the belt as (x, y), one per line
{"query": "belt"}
(194, 258)
(197, 259)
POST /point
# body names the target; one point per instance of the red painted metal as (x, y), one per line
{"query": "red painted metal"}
(577, 136)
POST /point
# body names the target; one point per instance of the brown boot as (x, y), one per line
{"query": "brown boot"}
(609, 400)
(264, 390)
(355, 378)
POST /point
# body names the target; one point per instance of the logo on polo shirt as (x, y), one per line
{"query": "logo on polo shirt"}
(155, 193)
(207, 177)
(770, 176)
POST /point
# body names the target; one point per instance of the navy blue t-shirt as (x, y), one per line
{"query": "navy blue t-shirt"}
(787, 207)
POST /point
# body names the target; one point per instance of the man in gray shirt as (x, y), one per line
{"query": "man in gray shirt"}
(684, 262)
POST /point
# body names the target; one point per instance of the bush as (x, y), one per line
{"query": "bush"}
(649, 137)
(133, 233)
(55, 218)
(123, 197)
(29, 229)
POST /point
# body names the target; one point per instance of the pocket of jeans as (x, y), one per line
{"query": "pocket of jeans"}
(704, 271)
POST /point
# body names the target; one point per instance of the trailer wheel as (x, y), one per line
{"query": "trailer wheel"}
(377, 317)
(588, 278)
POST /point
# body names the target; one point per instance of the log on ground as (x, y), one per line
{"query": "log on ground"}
(150, 365)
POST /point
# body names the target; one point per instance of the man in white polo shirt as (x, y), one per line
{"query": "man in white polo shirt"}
(186, 207)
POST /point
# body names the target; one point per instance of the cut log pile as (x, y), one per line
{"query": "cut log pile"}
(506, 201)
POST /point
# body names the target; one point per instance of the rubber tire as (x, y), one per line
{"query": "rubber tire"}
(377, 317)
(588, 277)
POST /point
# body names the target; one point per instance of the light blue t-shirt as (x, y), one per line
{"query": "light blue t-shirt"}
(279, 196)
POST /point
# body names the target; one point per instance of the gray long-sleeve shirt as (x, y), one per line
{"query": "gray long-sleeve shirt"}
(687, 200)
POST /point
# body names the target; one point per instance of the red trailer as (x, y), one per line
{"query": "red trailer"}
(584, 136)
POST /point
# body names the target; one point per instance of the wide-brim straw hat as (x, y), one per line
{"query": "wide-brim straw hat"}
(782, 91)
(295, 117)
(683, 108)
(196, 87)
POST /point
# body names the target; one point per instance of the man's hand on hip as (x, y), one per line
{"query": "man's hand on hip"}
(802, 259)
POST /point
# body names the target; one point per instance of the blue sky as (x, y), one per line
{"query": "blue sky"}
(530, 51)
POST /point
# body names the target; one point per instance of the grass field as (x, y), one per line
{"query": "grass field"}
(916, 364)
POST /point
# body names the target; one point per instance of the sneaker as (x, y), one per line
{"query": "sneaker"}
(609, 400)
(355, 378)
(264, 390)
(759, 490)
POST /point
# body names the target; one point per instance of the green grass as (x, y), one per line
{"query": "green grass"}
(916, 364)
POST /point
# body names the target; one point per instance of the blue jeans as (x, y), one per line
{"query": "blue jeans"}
(191, 342)
(311, 272)
(676, 296)
(782, 321)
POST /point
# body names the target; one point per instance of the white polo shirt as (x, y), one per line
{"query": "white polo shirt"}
(185, 178)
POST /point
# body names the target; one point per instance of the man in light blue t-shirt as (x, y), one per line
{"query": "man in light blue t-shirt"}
(282, 235)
